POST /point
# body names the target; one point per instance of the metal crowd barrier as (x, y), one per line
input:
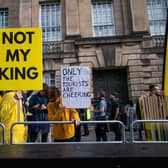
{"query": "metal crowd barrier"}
(145, 121)
(69, 122)
(3, 133)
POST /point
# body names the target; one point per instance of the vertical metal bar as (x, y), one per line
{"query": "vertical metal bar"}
(3, 133)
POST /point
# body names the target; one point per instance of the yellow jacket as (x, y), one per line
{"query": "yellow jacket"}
(0, 98)
(9, 114)
(62, 131)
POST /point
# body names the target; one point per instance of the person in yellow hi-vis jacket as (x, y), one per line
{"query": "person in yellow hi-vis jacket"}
(11, 111)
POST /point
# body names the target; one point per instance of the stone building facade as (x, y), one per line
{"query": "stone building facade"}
(126, 62)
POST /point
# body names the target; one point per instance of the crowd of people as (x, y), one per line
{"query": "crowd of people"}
(42, 105)
(46, 105)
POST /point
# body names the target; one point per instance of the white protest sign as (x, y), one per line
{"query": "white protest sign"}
(75, 86)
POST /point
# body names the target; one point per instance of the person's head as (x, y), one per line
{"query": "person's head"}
(154, 89)
(53, 93)
(44, 91)
(101, 93)
(113, 96)
(45, 87)
(18, 95)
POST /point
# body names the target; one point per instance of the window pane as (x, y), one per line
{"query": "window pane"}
(157, 13)
(103, 18)
(51, 21)
(3, 18)
(49, 78)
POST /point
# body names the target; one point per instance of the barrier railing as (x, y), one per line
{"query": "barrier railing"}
(123, 140)
(143, 122)
(3, 133)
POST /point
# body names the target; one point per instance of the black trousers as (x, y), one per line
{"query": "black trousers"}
(33, 137)
(100, 131)
(115, 127)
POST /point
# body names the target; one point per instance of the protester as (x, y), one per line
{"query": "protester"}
(11, 111)
(154, 90)
(114, 115)
(58, 112)
(38, 108)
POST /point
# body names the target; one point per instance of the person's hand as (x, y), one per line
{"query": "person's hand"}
(43, 107)
(27, 103)
(37, 106)
(61, 106)
(77, 122)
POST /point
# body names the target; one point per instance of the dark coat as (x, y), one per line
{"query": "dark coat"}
(38, 115)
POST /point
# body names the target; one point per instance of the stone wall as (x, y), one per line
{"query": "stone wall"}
(132, 47)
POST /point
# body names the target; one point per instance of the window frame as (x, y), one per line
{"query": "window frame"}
(107, 23)
(50, 81)
(4, 17)
(153, 11)
(52, 35)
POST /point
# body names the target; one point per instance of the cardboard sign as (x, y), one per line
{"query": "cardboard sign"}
(75, 86)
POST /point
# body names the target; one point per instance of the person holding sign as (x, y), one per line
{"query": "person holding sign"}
(58, 112)
(11, 111)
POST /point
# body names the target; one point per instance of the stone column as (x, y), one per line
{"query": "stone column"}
(139, 16)
(30, 18)
(72, 18)
(85, 18)
(25, 13)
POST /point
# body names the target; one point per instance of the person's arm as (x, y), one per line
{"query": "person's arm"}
(101, 109)
(50, 112)
(75, 116)
(5, 112)
(32, 104)
(116, 113)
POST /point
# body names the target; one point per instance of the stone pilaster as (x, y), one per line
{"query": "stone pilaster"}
(85, 18)
(72, 18)
(139, 21)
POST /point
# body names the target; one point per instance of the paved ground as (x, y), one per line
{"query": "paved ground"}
(92, 138)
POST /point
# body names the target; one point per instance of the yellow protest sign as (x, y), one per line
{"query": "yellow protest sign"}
(20, 59)
(165, 62)
(165, 78)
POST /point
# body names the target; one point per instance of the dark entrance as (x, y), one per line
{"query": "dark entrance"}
(113, 80)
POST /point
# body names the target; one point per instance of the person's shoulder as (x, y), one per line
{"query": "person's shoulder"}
(34, 96)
